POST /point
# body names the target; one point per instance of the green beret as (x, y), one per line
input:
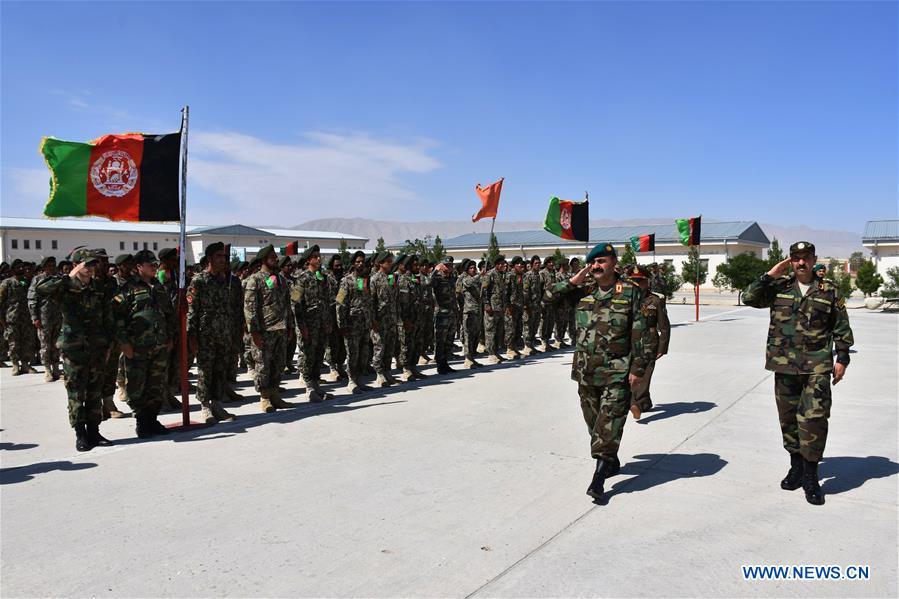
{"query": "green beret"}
(307, 253)
(283, 261)
(382, 256)
(517, 260)
(122, 258)
(265, 252)
(802, 247)
(254, 262)
(600, 250)
(356, 254)
(212, 248)
(499, 259)
(166, 253)
(819, 266)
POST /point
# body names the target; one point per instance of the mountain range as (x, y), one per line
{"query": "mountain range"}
(829, 243)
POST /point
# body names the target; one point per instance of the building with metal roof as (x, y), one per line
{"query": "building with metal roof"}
(719, 242)
(33, 238)
(881, 237)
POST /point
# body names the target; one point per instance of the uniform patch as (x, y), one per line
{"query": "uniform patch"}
(619, 287)
(841, 303)
(786, 296)
(295, 294)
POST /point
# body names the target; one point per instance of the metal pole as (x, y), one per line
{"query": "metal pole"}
(698, 266)
(182, 294)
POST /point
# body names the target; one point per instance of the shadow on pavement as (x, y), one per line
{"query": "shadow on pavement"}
(17, 446)
(662, 411)
(844, 473)
(676, 466)
(9, 476)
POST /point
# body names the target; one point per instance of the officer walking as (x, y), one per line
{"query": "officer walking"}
(808, 322)
(659, 332)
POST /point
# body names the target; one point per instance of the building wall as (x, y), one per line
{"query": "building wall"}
(885, 256)
(714, 253)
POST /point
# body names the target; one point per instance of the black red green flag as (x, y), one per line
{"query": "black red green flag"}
(644, 243)
(291, 249)
(130, 177)
(690, 230)
(568, 220)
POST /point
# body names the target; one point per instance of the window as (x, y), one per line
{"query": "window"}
(26, 244)
(121, 245)
(135, 245)
(54, 245)
(155, 246)
(37, 244)
(15, 244)
(145, 245)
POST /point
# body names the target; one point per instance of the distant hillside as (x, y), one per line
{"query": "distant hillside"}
(829, 243)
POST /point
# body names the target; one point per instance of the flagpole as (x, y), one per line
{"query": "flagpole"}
(182, 266)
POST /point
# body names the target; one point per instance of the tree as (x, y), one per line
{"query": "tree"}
(380, 247)
(692, 265)
(855, 261)
(738, 272)
(867, 280)
(667, 281)
(492, 252)
(628, 257)
(344, 254)
(558, 256)
(891, 289)
(775, 254)
(438, 252)
(841, 279)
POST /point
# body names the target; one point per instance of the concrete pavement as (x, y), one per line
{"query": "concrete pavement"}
(465, 485)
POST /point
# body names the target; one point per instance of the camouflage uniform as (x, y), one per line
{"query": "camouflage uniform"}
(46, 309)
(470, 287)
(660, 333)
(494, 296)
(408, 294)
(145, 320)
(514, 310)
(610, 344)
(235, 299)
(384, 314)
(803, 332)
(246, 340)
(441, 286)
(533, 296)
(354, 317)
(311, 299)
(335, 354)
(19, 329)
(562, 307)
(110, 287)
(426, 312)
(547, 309)
(84, 339)
(266, 309)
(210, 322)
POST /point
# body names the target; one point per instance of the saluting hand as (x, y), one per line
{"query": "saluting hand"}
(581, 275)
(779, 269)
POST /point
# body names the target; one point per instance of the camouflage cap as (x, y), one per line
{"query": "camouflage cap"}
(82, 255)
(144, 257)
(234, 265)
(448, 260)
(123, 258)
(265, 252)
(601, 250)
(307, 253)
(45, 261)
(284, 261)
(166, 253)
(100, 253)
(802, 247)
(547, 260)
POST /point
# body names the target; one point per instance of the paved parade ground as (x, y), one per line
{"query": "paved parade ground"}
(465, 485)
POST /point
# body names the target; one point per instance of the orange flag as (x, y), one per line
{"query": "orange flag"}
(489, 198)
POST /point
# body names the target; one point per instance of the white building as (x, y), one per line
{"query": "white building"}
(719, 242)
(33, 238)
(881, 237)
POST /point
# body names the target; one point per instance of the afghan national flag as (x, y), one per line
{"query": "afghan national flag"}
(689, 230)
(568, 220)
(644, 243)
(489, 200)
(291, 249)
(131, 177)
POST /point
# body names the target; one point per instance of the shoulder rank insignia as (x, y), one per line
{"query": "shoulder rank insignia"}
(619, 287)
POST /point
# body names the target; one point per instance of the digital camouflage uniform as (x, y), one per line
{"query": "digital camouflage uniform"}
(533, 296)
(246, 340)
(335, 354)
(514, 310)
(660, 333)
(311, 300)
(562, 308)
(442, 288)
(426, 312)
(266, 308)
(803, 333)
(354, 317)
(19, 329)
(210, 321)
(235, 299)
(110, 287)
(84, 338)
(407, 288)
(45, 309)
(547, 308)
(384, 314)
(169, 281)
(144, 319)
(494, 296)
(610, 343)
(470, 287)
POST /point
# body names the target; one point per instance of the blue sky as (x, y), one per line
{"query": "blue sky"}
(770, 111)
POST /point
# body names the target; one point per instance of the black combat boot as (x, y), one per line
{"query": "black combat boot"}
(810, 484)
(81, 442)
(157, 427)
(95, 438)
(144, 428)
(793, 479)
(615, 467)
(603, 469)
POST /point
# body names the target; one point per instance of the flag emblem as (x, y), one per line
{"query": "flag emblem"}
(114, 173)
(565, 217)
